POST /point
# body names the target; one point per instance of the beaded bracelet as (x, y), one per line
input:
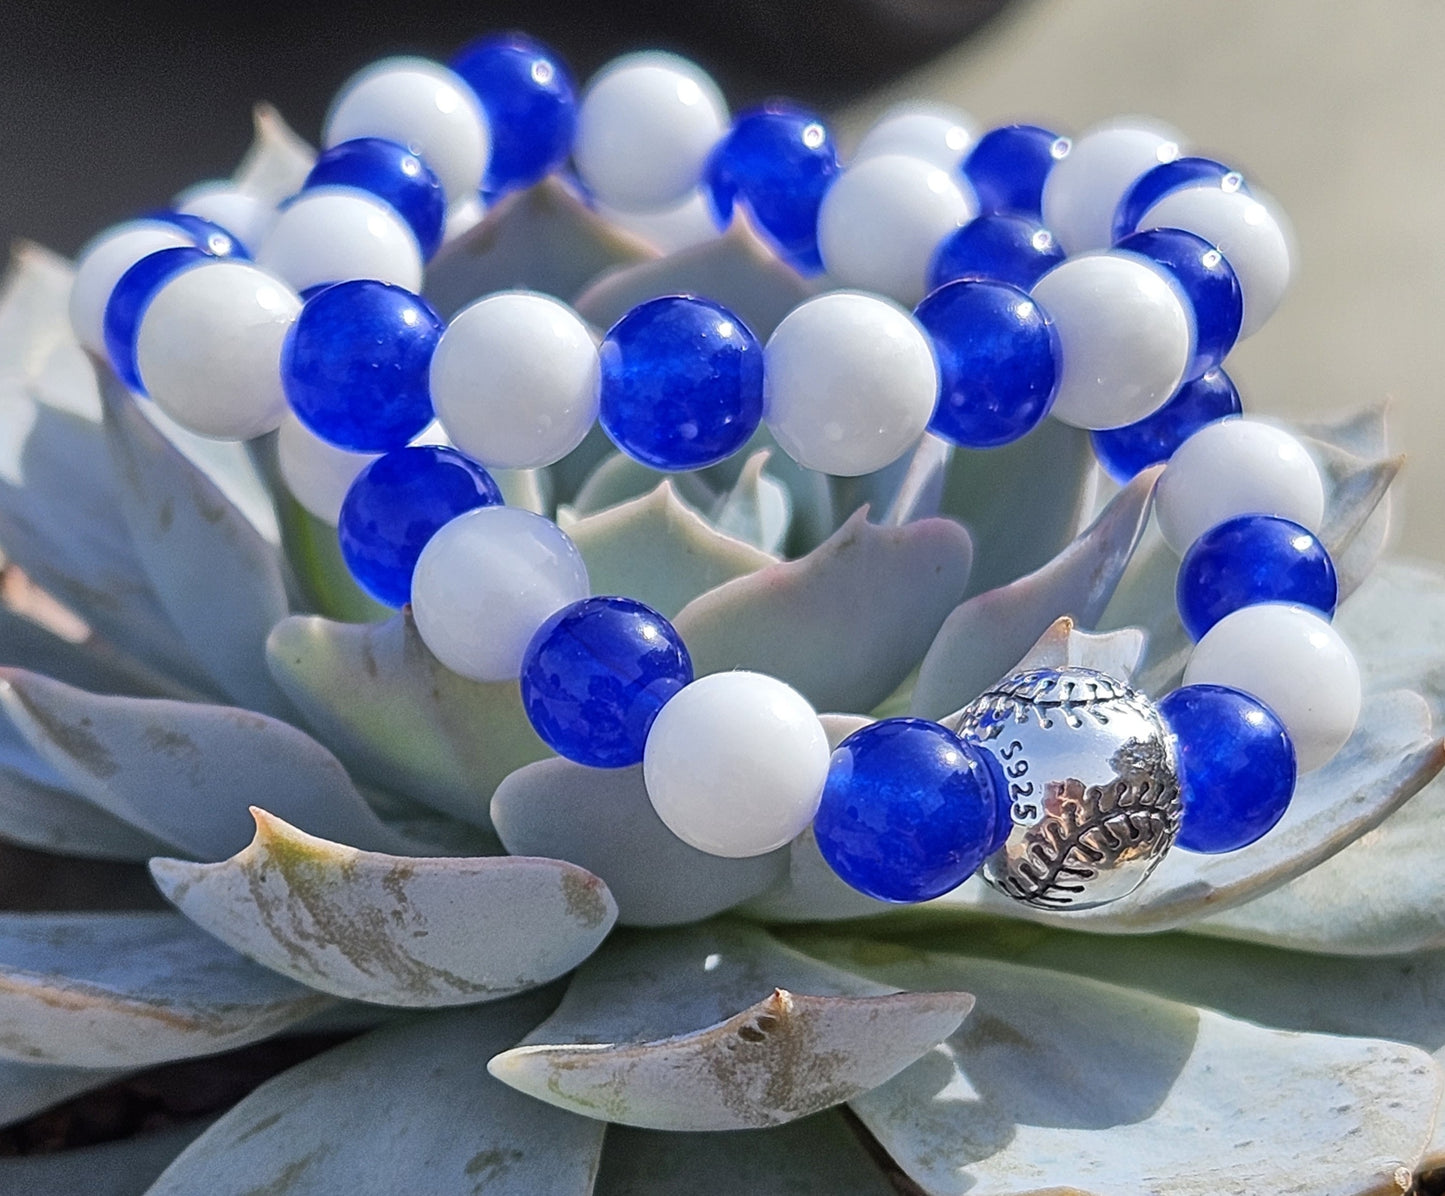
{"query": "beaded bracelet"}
(1102, 281)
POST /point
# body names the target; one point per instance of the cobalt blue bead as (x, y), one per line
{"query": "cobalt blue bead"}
(1012, 249)
(1008, 167)
(596, 674)
(208, 236)
(909, 810)
(778, 160)
(998, 362)
(1154, 184)
(682, 383)
(129, 300)
(1250, 559)
(530, 100)
(1123, 452)
(1208, 282)
(1236, 766)
(392, 173)
(356, 365)
(397, 504)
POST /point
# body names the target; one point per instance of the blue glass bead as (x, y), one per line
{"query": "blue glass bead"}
(395, 175)
(1250, 559)
(909, 810)
(397, 504)
(1012, 249)
(1236, 766)
(208, 236)
(1154, 184)
(1208, 282)
(1009, 165)
(356, 365)
(530, 100)
(596, 674)
(778, 160)
(1123, 452)
(998, 359)
(128, 302)
(682, 383)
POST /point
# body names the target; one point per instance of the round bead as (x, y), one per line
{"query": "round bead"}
(882, 221)
(1292, 660)
(1249, 559)
(1009, 166)
(1012, 249)
(1236, 766)
(486, 582)
(392, 173)
(1124, 338)
(397, 504)
(132, 294)
(645, 128)
(682, 383)
(316, 472)
(997, 362)
(1085, 186)
(909, 810)
(1123, 452)
(426, 108)
(356, 365)
(850, 383)
(735, 763)
(1236, 467)
(935, 133)
(102, 262)
(209, 348)
(530, 100)
(1250, 233)
(332, 234)
(1153, 185)
(206, 235)
(222, 202)
(595, 676)
(514, 380)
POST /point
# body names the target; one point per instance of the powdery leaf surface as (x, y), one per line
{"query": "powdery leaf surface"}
(27, 1088)
(758, 509)
(126, 1167)
(278, 160)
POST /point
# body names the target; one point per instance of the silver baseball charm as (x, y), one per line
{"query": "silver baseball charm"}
(1093, 785)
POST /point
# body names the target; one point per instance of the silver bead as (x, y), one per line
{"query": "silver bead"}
(1093, 785)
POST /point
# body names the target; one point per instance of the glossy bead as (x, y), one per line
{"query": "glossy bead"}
(1236, 467)
(530, 100)
(316, 472)
(1292, 660)
(392, 173)
(334, 234)
(220, 201)
(682, 383)
(735, 764)
(645, 128)
(1236, 766)
(486, 582)
(356, 365)
(850, 383)
(100, 265)
(1208, 283)
(426, 108)
(1012, 249)
(1153, 185)
(998, 362)
(936, 133)
(882, 221)
(515, 380)
(1249, 559)
(209, 348)
(909, 810)
(206, 235)
(1123, 452)
(132, 294)
(1009, 165)
(595, 676)
(1085, 186)
(395, 506)
(1124, 336)
(778, 161)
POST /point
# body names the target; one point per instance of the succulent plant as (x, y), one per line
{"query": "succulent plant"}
(352, 836)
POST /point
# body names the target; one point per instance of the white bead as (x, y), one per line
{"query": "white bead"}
(1125, 337)
(881, 221)
(515, 379)
(484, 584)
(1085, 186)
(244, 216)
(734, 764)
(332, 234)
(209, 349)
(1252, 235)
(100, 266)
(1236, 467)
(850, 383)
(645, 127)
(317, 473)
(1293, 661)
(936, 133)
(424, 106)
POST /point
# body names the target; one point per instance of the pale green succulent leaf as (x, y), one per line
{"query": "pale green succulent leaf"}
(920, 490)
(29, 1088)
(758, 509)
(1357, 510)
(126, 1167)
(278, 160)
(34, 310)
(1065, 645)
(529, 489)
(617, 478)
(49, 818)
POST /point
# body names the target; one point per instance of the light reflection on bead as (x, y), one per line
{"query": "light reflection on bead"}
(1004, 248)
(223, 203)
(1009, 165)
(1085, 186)
(1123, 452)
(102, 261)
(1153, 185)
(334, 234)
(935, 133)
(392, 173)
